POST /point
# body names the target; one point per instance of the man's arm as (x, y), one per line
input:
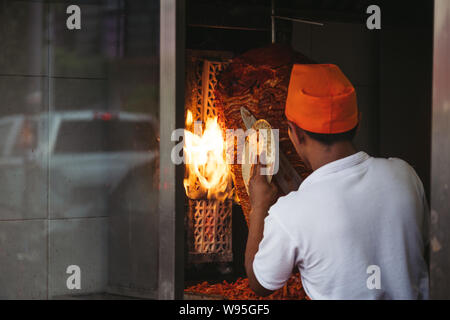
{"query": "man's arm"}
(262, 196)
(255, 235)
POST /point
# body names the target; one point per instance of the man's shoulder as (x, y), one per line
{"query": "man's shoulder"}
(396, 166)
(393, 163)
(397, 173)
(295, 202)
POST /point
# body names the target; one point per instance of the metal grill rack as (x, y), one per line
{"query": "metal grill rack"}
(208, 220)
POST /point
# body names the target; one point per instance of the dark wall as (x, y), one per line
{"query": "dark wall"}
(405, 97)
(355, 49)
(391, 70)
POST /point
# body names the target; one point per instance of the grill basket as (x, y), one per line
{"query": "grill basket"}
(209, 234)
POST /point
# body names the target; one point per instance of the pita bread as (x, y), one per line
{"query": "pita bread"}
(249, 154)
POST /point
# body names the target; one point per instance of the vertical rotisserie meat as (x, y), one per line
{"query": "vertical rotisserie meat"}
(258, 80)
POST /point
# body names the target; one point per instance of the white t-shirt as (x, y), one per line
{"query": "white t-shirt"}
(356, 228)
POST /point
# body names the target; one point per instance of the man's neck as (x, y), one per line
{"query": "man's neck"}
(327, 154)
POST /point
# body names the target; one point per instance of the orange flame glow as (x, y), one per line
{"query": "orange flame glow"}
(208, 174)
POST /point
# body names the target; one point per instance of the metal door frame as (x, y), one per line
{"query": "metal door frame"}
(440, 155)
(171, 203)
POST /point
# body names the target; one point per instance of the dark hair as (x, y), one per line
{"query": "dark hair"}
(329, 139)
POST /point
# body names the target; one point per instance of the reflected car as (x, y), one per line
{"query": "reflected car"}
(70, 162)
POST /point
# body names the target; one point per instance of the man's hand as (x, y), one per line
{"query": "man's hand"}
(261, 193)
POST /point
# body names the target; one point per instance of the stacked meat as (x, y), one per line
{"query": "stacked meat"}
(240, 290)
(258, 80)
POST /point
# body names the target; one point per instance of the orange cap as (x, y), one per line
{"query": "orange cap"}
(321, 99)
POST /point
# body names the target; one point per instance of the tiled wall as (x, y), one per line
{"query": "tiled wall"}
(38, 243)
(23, 88)
(46, 68)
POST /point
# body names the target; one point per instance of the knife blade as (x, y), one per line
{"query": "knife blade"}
(287, 178)
(247, 117)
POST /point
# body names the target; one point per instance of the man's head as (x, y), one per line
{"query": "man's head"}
(321, 110)
(310, 145)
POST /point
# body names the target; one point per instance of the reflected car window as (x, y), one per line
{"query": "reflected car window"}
(105, 136)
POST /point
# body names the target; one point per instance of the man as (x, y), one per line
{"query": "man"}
(356, 228)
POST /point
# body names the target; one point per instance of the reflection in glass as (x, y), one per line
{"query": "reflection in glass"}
(79, 148)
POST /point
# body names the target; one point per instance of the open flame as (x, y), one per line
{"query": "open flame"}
(208, 174)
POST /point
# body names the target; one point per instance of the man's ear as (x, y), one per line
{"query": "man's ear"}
(296, 136)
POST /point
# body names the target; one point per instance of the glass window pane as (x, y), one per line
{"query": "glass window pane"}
(79, 148)
(104, 149)
(23, 169)
(94, 136)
